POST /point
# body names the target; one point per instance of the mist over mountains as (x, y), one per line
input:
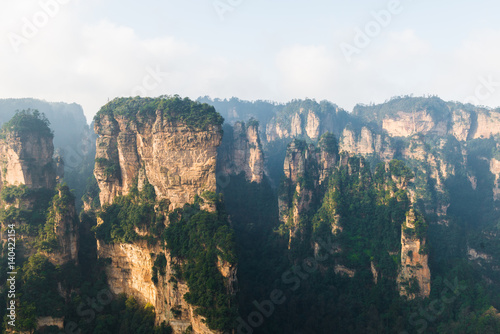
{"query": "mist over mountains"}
(231, 216)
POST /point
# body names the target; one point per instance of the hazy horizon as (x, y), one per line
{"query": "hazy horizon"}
(89, 52)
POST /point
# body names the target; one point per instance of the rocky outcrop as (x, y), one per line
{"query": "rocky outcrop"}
(296, 198)
(130, 272)
(305, 168)
(304, 119)
(488, 124)
(474, 255)
(313, 126)
(275, 132)
(65, 222)
(242, 152)
(366, 142)
(495, 170)
(461, 124)
(342, 270)
(432, 166)
(406, 124)
(27, 159)
(178, 161)
(414, 278)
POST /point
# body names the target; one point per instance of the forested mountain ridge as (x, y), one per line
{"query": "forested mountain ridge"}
(296, 218)
(450, 149)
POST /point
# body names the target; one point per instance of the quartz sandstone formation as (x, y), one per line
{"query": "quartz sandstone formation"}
(414, 263)
(488, 124)
(307, 162)
(495, 170)
(130, 273)
(302, 161)
(66, 230)
(243, 153)
(405, 124)
(366, 143)
(180, 163)
(303, 123)
(27, 159)
(461, 124)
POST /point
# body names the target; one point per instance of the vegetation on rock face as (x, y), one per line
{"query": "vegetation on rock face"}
(110, 314)
(30, 218)
(27, 122)
(252, 122)
(329, 143)
(376, 113)
(203, 239)
(62, 204)
(136, 210)
(42, 288)
(91, 194)
(368, 204)
(174, 109)
(369, 209)
(110, 169)
(199, 238)
(10, 194)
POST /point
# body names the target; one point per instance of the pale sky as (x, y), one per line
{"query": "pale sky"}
(89, 51)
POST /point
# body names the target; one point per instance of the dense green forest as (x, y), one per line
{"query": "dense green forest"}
(193, 114)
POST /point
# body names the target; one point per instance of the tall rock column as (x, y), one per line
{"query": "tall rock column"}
(306, 168)
(414, 278)
(26, 152)
(178, 160)
(169, 145)
(242, 152)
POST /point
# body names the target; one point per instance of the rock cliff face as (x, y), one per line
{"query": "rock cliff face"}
(405, 117)
(130, 273)
(495, 170)
(305, 168)
(65, 229)
(366, 143)
(304, 185)
(405, 124)
(304, 119)
(178, 161)
(488, 124)
(461, 124)
(414, 277)
(28, 166)
(296, 200)
(28, 159)
(242, 152)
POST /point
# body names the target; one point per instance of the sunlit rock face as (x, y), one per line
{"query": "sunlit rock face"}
(414, 278)
(27, 159)
(178, 161)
